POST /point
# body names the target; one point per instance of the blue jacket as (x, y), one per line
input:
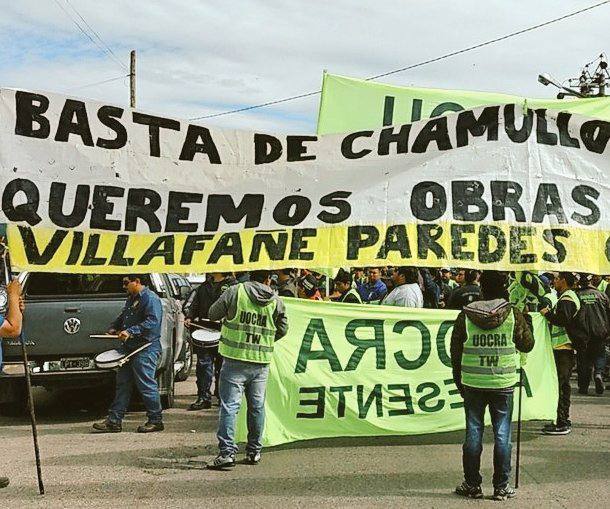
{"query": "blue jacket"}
(375, 292)
(141, 317)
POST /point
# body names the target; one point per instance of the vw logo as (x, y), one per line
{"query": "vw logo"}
(72, 325)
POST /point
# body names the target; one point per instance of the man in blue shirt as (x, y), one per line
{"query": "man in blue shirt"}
(138, 323)
(374, 289)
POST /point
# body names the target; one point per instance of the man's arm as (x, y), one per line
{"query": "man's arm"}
(458, 338)
(563, 314)
(152, 317)
(11, 326)
(117, 324)
(220, 309)
(524, 338)
(280, 319)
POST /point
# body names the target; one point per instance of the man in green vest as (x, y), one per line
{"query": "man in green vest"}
(561, 316)
(253, 318)
(485, 342)
(343, 286)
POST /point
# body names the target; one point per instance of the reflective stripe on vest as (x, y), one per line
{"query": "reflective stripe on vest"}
(559, 335)
(250, 334)
(489, 358)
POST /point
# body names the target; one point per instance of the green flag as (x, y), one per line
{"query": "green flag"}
(360, 370)
(349, 104)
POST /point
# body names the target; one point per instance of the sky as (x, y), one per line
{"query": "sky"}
(198, 58)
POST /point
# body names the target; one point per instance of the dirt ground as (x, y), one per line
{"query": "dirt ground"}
(167, 469)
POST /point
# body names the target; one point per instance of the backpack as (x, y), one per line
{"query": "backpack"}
(591, 324)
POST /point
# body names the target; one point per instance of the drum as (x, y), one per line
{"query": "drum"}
(205, 337)
(112, 359)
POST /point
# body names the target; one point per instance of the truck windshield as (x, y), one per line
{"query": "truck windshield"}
(42, 284)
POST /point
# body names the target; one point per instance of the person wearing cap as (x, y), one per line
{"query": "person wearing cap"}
(253, 318)
(286, 283)
(407, 292)
(468, 292)
(561, 317)
(374, 289)
(308, 288)
(343, 286)
(486, 339)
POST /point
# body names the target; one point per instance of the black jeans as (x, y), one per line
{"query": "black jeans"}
(591, 358)
(564, 362)
(501, 411)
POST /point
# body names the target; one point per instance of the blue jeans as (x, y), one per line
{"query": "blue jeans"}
(205, 371)
(139, 371)
(501, 410)
(237, 377)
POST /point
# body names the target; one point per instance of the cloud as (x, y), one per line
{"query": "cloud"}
(198, 58)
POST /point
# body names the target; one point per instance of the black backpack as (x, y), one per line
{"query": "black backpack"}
(591, 321)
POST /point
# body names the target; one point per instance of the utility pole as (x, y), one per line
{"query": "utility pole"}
(132, 79)
(588, 84)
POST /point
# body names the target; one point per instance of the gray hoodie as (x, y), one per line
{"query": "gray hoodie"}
(226, 306)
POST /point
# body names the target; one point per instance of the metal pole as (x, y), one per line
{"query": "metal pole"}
(132, 79)
(519, 428)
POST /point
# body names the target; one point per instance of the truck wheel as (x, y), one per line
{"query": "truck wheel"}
(187, 358)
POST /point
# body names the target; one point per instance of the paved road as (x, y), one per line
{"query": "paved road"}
(165, 469)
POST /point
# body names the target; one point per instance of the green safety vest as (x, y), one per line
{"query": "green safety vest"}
(517, 295)
(452, 284)
(250, 334)
(559, 335)
(603, 284)
(489, 359)
(355, 293)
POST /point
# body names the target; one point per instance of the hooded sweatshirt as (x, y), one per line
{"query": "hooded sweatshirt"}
(487, 314)
(258, 293)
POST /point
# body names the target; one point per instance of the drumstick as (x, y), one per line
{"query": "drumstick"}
(198, 326)
(103, 336)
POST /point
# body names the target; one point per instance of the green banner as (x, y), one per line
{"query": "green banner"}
(364, 370)
(349, 104)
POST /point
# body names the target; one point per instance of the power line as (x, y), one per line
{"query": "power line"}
(419, 64)
(108, 48)
(84, 32)
(116, 78)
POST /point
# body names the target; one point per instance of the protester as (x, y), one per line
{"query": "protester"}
(286, 283)
(469, 291)
(601, 284)
(208, 360)
(485, 372)
(138, 323)
(253, 319)
(343, 286)
(528, 290)
(431, 290)
(387, 274)
(561, 317)
(590, 333)
(359, 276)
(373, 290)
(11, 328)
(406, 292)
(308, 288)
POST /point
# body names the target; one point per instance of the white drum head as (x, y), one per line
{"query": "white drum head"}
(109, 359)
(206, 336)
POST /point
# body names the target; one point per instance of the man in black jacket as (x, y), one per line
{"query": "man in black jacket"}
(468, 292)
(589, 333)
(208, 360)
(286, 283)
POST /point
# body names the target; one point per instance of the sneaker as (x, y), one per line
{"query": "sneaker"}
(550, 426)
(504, 493)
(599, 384)
(252, 458)
(200, 404)
(151, 427)
(4, 482)
(564, 429)
(107, 427)
(465, 490)
(221, 462)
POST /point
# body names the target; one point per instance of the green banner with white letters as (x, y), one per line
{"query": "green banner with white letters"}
(365, 370)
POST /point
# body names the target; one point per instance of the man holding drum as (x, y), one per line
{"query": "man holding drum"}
(253, 318)
(138, 324)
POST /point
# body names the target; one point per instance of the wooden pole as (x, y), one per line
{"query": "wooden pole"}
(132, 79)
